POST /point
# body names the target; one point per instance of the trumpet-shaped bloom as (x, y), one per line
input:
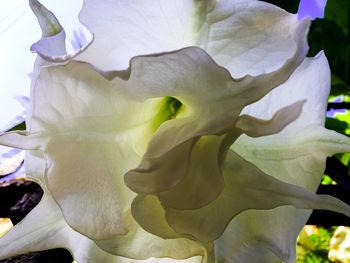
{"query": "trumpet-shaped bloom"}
(177, 118)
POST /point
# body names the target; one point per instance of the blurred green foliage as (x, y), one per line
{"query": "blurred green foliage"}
(313, 248)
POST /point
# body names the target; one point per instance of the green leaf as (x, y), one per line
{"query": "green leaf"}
(19, 127)
(337, 125)
(338, 11)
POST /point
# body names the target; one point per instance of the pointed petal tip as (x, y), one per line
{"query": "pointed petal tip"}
(320, 56)
(48, 22)
(311, 9)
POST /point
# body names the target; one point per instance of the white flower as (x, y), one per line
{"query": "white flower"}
(141, 146)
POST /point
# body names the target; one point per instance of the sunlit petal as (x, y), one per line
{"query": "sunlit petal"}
(297, 155)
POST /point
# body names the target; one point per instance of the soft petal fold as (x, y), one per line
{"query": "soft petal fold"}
(88, 108)
(203, 181)
(115, 121)
(202, 113)
(254, 127)
(251, 37)
(52, 231)
(132, 245)
(89, 114)
(22, 140)
(246, 37)
(18, 31)
(311, 82)
(90, 129)
(250, 188)
(45, 228)
(132, 28)
(296, 155)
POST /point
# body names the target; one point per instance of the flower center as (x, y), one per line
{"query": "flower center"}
(168, 109)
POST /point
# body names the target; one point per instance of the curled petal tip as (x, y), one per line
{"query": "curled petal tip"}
(49, 24)
(312, 9)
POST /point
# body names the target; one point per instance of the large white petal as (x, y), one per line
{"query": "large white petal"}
(251, 37)
(87, 153)
(124, 29)
(246, 37)
(45, 228)
(309, 82)
(297, 155)
(249, 236)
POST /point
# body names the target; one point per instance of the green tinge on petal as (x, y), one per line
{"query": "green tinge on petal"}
(107, 125)
(169, 107)
(52, 43)
(202, 8)
(205, 112)
(203, 180)
(49, 24)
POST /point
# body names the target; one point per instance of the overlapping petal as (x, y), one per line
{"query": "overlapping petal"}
(203, 112)
(155, 123)
(45, 228)
(94, 124)
(296, 155)
(246, 37)
(251, 37)
(310, 145)
(246, 187)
